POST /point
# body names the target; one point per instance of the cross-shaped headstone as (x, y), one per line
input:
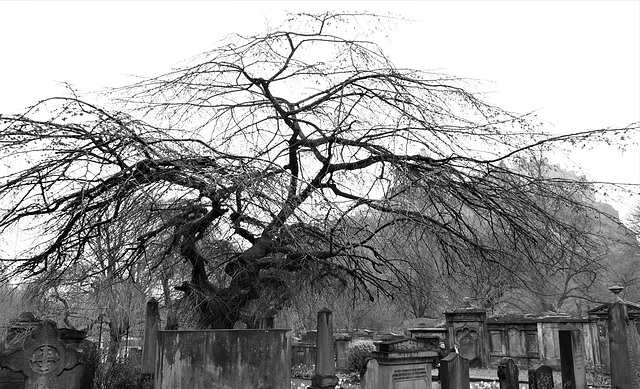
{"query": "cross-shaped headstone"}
(42, 357)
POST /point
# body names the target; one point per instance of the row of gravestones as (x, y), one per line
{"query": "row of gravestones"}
(540, 378)
(455, 374)
(46, 358)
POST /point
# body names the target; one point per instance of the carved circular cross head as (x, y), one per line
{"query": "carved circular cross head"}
(44, 359)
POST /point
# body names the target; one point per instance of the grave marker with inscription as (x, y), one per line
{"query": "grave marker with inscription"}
(42, 358)
(541, 378)
(401, 364)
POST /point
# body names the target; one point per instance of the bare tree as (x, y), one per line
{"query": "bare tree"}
(286, 146)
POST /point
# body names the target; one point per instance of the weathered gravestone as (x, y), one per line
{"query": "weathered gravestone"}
(325, 376)
(16, 332)
(150, 344)
(342, 358)
(42, 359)
(623, 347)
(401, 364)
(541, 378)
(508, 374)
(455, 372)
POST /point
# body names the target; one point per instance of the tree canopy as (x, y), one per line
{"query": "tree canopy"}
(297, 154)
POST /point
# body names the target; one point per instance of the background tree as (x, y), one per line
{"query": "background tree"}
(286, 149)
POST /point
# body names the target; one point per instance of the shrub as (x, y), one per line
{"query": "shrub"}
(123, 374)
(302, 371)
(357, 351)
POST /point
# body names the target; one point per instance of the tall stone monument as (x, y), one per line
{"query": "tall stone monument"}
(325, 374)
(623, 344)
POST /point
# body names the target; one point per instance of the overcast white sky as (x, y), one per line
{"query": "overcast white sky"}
(576, 62)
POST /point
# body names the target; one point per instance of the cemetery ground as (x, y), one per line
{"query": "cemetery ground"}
(44, 357)
(480, 379)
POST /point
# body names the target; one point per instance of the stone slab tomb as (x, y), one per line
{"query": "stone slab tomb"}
(401, 364)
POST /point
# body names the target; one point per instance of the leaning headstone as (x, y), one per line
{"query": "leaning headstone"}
(42, 358)
(541, 378)
(325, 374)
(455, 372)
(508, 374)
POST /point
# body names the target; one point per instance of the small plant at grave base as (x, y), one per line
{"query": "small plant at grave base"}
(348, 380)
(123, 374)
(302, 371)
(485, 385)
(357, 351)
(300, 385)
(596, 377)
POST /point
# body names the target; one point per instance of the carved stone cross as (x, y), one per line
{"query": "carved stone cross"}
(42, 357)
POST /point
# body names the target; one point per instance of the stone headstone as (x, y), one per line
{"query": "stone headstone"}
(508, 374)
(42, 358)
(309, 337)
(342, 360)
(541, 378)
(371, 376)
(624, 369)
(455, 372)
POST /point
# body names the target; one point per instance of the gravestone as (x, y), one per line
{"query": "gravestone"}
(508, 374)
(371, 375)
(16, 332)
(541, 378)
(401, 364)
(309, 337)
(325, 374)
(342, 360)
(624, 367)
(42, 359)
(150, 344)
(455, 372)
